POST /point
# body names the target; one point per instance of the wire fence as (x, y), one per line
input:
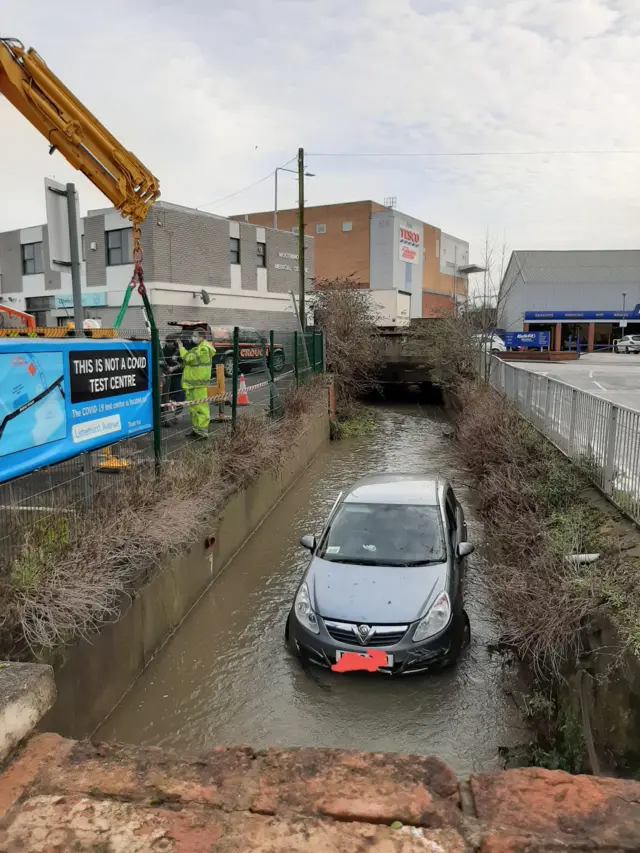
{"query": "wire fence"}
(602, 437)
(250, 372)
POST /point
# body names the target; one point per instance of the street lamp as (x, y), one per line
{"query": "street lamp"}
(275, 206)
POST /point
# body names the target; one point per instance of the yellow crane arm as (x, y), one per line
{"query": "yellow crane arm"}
(70, 128)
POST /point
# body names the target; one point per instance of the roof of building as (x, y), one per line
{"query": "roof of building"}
(310, 207)
(583, 266)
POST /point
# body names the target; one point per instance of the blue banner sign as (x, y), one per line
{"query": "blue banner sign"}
(60, 397)
(557, 316)
(527, 339)
(89, 300)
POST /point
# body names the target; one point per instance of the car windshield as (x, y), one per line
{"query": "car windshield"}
(384, 535)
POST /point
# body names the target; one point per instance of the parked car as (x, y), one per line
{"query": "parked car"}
(629, 343)
(490, 343)
(386, 573)
(253, 347)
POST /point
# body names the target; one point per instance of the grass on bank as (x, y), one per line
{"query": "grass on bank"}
(531, 499)
(358, 422)
(73, 571)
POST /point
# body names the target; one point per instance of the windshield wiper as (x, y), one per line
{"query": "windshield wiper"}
(357, 561)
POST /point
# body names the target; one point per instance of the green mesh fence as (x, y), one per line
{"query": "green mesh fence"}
(267, 364)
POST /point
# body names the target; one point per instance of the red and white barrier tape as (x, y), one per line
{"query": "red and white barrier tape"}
(220, 397)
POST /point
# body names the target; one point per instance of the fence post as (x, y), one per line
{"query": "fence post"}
(272, 400)
(234, 380)
(547, 407)
(529, 395)
(155, 395)
(610, 450)
(572, 421)
(87, 479)
(295, 356)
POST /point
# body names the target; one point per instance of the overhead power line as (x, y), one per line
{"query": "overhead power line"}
(471, 153)
(243, 190)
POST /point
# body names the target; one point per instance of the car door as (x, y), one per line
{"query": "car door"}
(463, 534)
(454, 524)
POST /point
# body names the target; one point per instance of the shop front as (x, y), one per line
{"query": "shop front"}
(585, 330)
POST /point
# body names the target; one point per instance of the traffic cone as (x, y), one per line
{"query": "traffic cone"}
(243, 397)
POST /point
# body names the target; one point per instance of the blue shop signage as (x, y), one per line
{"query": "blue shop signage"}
(527, 339)
(573, 316)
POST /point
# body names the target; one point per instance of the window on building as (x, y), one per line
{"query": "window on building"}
(32, 258)
(261, 257)
(234, 250)
(39, 303)
(347, 226)
(84, 257)
(119, 247)
(321, 228)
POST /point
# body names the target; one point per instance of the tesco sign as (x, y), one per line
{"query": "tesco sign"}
(409, 246)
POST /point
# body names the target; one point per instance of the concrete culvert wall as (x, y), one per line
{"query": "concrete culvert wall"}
(93, 674)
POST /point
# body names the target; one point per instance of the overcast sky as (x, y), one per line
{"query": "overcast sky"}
(212, 95)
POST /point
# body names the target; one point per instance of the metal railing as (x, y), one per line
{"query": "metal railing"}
(602, 437)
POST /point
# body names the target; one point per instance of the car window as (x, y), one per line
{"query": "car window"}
(221, 333)
(451, 513)
(384, 535)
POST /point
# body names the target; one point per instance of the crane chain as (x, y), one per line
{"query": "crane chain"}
(137, 279)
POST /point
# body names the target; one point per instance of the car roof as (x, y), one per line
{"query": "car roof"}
(396, 489)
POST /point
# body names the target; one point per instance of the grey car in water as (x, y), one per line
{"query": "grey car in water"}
(386, 573)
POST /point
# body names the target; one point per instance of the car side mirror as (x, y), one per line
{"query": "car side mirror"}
(308, 542)
(464, 549)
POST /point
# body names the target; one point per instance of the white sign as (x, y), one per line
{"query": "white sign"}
(409, 246)
(94, 429)
(58, 225)
(290, 268)
(623, 324)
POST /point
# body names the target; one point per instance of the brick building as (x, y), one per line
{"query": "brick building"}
(248, 271)
(383, 249)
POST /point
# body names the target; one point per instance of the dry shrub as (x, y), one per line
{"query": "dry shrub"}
(529, 496)
(348, 316)
(67, 582)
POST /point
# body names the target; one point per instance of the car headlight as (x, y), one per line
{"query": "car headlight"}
(303, 610)
(436, 619)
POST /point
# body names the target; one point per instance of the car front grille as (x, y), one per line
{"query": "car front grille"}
(379, 635)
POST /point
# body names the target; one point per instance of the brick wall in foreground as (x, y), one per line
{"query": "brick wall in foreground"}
(60, 795)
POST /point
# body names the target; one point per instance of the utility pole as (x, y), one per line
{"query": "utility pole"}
(74, 241)
(301, 237)
(275, 205)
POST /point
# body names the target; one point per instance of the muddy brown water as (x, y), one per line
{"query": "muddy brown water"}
(226, 676)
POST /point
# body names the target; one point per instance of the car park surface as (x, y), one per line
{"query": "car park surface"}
(610, 376)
